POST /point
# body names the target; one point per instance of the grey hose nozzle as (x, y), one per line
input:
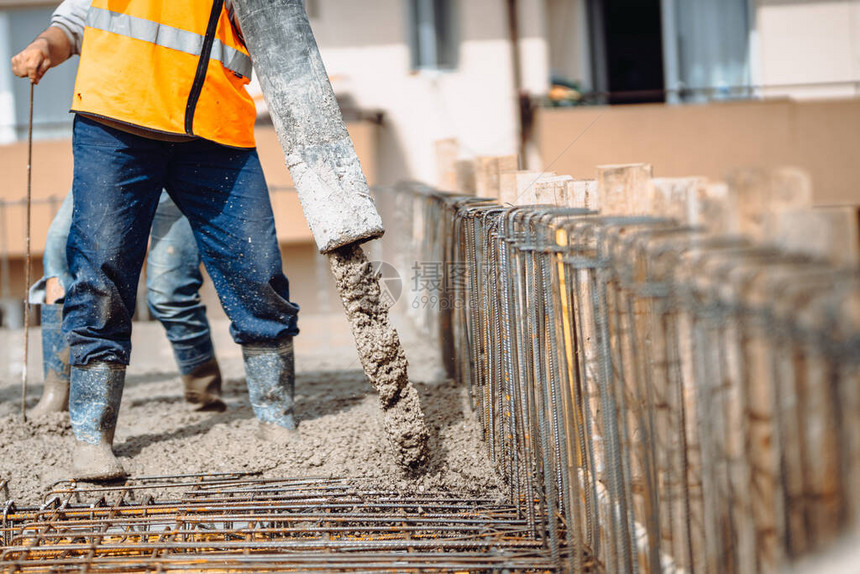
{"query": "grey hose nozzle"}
(318, 150)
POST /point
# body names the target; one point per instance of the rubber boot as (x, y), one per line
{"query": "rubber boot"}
(270, 372)
(96, 391)
(203, 387)
(55, 364)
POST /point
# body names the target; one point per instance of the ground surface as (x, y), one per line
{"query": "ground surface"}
(340, 432)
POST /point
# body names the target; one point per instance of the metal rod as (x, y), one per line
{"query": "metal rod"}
(27, 262)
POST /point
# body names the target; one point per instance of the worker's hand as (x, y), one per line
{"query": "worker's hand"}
(33, 61)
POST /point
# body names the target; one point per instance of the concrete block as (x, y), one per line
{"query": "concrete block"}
(758, 192)
(828, 232)
(583, 194)
(518, 187)
(677, 198)
(553, 190)
(447, 152)
(464, 171)
(624, 189)
(487, 170)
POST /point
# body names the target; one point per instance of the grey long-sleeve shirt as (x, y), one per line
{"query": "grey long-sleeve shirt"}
(71, 17)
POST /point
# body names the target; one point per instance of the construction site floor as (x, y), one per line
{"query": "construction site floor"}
(341, 453)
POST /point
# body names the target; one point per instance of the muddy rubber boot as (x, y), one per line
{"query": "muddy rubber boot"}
(270, 372)
(96, 391)
(55, 364)
(203, 387)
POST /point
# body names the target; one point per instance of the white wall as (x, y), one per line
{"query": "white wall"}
(7, 99)
(365, 49)
(809, 41)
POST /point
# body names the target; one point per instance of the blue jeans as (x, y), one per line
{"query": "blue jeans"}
(117, 183)
(173, 279)
(54, 261)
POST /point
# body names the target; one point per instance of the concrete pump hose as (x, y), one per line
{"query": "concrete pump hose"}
(318, 150)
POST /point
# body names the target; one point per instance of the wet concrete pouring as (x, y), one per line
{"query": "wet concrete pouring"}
(381, 354)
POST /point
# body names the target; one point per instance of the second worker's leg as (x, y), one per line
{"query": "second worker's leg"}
(173, 281)
(48, 293)
(55, 363)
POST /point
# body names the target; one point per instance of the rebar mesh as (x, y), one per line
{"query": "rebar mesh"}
(676, 401)
(234, 523)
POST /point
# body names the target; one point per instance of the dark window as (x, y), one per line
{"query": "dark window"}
(627, 49)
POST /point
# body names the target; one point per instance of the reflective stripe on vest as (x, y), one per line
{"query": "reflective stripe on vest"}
(168, 37)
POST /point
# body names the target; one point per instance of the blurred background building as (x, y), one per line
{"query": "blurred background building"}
(691, 86)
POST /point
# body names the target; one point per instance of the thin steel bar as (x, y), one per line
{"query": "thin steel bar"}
(27, 262)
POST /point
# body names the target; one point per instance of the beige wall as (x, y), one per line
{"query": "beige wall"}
(808, 41)
(709, 140)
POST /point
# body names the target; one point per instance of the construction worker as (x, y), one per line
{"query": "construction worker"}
(173, 282)
(160, 103)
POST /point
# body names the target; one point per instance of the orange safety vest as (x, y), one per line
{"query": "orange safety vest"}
(172, 66)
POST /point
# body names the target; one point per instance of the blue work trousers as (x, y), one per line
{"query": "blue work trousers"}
(221, 190)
